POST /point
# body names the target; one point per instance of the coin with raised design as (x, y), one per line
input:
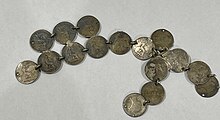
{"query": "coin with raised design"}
(143, 50)
(153, 93)
(198, 72)
(134, 105)
(49, 61)
(64, 31)
(97, 47)
(73, 53)
(120, 43)
(26, 72)
(88, 26)
(41, 40)
(178, 59)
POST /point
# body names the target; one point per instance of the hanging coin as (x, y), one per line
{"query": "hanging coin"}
(162, 39)
(97, 47)
(26, 72)
(153, 92)
(73, 53)
(178, 59)
(49, 62)
(120, 43)
(88, 26)
(134, 105)
(64, 31)
(41, 40)
(156, 69)
(198, 72)
(143, 49)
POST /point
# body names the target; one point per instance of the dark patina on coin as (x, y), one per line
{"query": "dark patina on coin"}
(120, 43)
(64, 31)
(88, 26)
(73, 53)
(49, 62)
(41, 40)
(97, 46)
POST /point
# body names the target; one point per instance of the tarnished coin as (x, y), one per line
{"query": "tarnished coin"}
(49, 62)
(73, 53)
(209, 88)
(88, 26)
(156, 69)
(64, 31)
(134, 105)
(97, 47)
(162, 39)
(41, 40)
(153, 93)
(26, 72)
(178, 59)
(120, 43)
(198, 72)
(143, 50)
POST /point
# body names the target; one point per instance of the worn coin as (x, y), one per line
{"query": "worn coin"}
(143, 50)
(26, 72)
(134, 105)
(178, 59)
(97, 46)
(49, 61)
(156, 69)
(198, 72)
(64, 31)
(209, 88)
(153, 93)
(73, 53)
(88, 26)
(41, 40)
(120, 43)
(162, 39)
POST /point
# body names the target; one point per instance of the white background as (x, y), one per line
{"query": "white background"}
(95, 89)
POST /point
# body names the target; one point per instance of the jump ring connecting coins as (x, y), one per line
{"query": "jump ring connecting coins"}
(155, 49)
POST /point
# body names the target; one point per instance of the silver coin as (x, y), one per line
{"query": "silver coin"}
(156, 69)
(97, 47)
(26, 72)
(134, 105)
(64, 31)
(143, 50)
(178, 59)
(49, 61)
(73, 53)
(41, 40)
(209, 88)
(198, 72)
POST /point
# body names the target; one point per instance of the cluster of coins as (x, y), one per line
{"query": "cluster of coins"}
(156, 48)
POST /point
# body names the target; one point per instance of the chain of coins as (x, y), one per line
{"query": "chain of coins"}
(155, 49)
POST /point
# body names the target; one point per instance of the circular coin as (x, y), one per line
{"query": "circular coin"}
(178, 59)
(162, 39)
(156, 69)
(209, 88)
(41, 40)
(198, 72)
(97, 47)
(49, 62)
(26, 72)
(73, 53)
(120, 43)
(153, 93)
(64, 31)
(143, 49)
(88, 26)
(133, 105)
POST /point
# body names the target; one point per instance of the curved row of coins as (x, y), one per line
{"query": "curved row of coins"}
(155, 49)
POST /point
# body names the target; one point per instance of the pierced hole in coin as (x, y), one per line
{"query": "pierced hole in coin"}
(203, 95)
(17, 74)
